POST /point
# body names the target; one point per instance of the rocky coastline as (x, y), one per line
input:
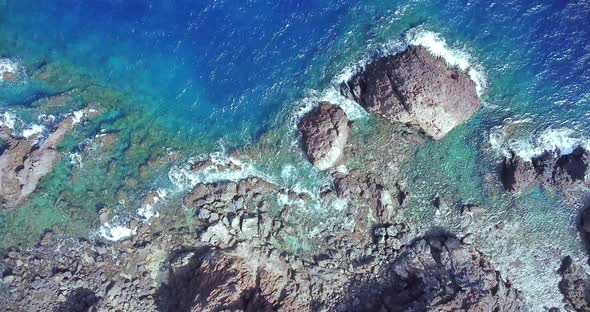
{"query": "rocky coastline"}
(236, 253)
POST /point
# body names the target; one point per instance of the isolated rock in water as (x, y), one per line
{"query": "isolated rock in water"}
(7, 69)
(575, 286)
(325, 132)
(24, 162)
(416, 88)
(550, 168)
(442, 274)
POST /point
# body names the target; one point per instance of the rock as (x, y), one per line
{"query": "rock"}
(8, 69)
(550, 168)
(414, 87)
(441, 274)
(104, 215)
(325, 133)
(24, 162)
(575, 286)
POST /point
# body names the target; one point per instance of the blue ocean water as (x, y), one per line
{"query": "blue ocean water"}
(230, 66)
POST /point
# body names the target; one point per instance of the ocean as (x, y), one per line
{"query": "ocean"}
(207, 77)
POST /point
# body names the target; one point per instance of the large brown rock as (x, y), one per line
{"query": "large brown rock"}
(23, 162)
(416, 88)
(325, 132)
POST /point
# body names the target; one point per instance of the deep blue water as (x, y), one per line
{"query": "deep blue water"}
(230, 66)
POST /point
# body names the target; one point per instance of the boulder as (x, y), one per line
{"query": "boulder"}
(416, 88)
(551, 169)
(325, 132)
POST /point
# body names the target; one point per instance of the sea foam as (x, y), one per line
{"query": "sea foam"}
(7, 119)
(116, 233)
(458, 58)
(534, 143)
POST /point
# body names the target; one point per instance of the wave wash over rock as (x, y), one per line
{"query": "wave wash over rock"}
(416, 88)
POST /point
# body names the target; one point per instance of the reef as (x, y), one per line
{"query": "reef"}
(24, 161)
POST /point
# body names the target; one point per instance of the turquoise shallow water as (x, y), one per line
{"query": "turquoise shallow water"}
(199, 76)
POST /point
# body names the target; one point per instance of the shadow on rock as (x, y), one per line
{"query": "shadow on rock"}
(575, 286)
(207, 280)
(79, 300)
(583, 224)
(436, 273)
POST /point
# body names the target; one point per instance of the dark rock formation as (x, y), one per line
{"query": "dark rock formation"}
(551, 169)
(439, 274)
(517, 174)
(417, 88)
(233, 262)
(575, 286)
(325, 132)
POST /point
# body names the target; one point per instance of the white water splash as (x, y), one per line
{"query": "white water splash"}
(184, 177)
(148, 210)
(32, 130)
(453, 57)
(115, 233)
(535, 143)
(7, 119)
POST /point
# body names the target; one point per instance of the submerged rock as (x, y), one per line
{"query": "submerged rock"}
(551, 169)
(8, 69)
(325, 132)
(23, 162)
(416, 88)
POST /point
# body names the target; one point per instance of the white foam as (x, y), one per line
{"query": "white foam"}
(7, 66)
(535, 143)
(77, 116)
(453, 57)
(7, 119)
(75, 159)
(184, 177)
(148, 211)
(116, 233)
(32, 130)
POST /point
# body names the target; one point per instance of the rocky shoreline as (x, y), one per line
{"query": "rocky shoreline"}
(237, 254)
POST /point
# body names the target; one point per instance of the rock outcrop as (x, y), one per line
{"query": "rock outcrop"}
(235, 259)
(414, 87)
(575, 286)
(325, 132)
(550, 169)
(23, 162)
(440, 274)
